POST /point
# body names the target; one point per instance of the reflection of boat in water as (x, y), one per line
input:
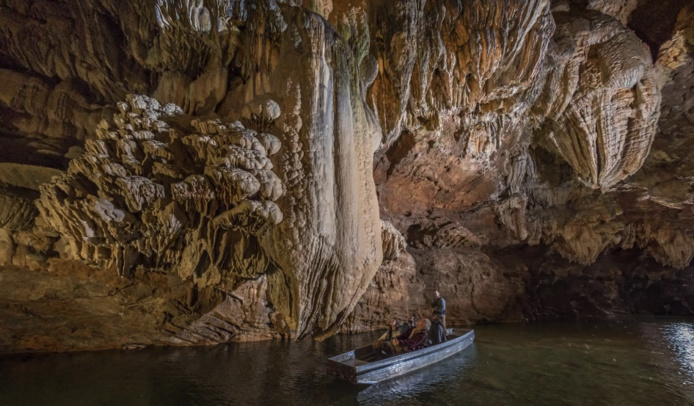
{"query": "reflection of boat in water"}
(450, 374)
(362, 366)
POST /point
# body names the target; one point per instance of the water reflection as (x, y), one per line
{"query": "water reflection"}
(680, 336)
(420, 384)
(610, 362)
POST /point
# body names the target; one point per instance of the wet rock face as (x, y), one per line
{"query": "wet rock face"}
(264, 171)
(267, 168)
(148, 194)
(578, 171)
(474, 58)
(603, 121)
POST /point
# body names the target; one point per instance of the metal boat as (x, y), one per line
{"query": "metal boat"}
(364, 366)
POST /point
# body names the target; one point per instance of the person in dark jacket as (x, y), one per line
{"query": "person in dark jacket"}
(413, 339)
(439, 305)
(438, 333)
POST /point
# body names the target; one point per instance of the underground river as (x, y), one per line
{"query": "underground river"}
(619, 361)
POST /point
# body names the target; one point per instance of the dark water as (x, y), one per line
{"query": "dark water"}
(596, 362)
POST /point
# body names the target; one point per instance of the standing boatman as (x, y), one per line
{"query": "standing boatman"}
(439, 305)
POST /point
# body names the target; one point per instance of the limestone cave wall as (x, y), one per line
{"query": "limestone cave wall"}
(201, 171)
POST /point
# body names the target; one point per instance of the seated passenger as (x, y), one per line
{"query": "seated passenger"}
(406, 325)
(413, 339)
(392, 332)
(438, 334)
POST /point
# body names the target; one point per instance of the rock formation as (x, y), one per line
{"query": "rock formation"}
(235, 170)
(602, 122)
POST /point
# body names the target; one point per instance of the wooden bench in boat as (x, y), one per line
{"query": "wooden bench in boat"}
(363, 366)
